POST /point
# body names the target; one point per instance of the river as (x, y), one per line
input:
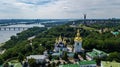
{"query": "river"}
(6, 34)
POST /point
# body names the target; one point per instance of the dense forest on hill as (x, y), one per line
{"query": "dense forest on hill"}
(22, 36)
(45, 39)
(19, 44)
(109, 24)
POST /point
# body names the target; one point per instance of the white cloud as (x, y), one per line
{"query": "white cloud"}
(59, 8)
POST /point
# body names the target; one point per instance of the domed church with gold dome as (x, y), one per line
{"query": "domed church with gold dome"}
(60, 45)
(78, 42)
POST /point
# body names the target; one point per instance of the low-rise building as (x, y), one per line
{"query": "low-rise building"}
(95, 53)
(69, 65)
(56, 54)
(87, 63)
(109, 64)
(70, 54)
(115, 33)
(38, 58)
(81, 64)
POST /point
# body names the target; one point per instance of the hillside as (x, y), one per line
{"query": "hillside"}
(45, 39)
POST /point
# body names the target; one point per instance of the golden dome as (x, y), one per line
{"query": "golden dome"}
(78, 38)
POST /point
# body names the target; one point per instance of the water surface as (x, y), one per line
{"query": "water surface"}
(6, 34)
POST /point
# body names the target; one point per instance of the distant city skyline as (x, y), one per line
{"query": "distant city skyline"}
(59, 9)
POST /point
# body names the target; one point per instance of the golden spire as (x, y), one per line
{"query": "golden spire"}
(64, 41)
(78, 33)
(78, 38)
(60, 38)
(56, 40)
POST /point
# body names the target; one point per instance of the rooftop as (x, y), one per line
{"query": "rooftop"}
(110, 64)
(86, 62)
(96, 52)
(70, 65)
(56, 54)
(115, 33)
(70, 54)
(78, 65)
(36, 56)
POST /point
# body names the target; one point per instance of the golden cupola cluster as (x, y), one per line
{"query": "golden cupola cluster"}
(58, 40)
(78, 37)
(64, 41)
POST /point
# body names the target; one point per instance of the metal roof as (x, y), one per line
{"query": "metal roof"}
(36, 56)
(78, 65)
(96, 52)
(86, 62)
(70, 65)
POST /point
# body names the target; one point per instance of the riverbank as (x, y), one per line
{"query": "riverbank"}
(5, 35)
(2, 50)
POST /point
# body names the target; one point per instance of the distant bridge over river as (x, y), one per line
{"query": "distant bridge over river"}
(3, 28)
(19, 27)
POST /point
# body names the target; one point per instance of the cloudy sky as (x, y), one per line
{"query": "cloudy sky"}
(62, 9)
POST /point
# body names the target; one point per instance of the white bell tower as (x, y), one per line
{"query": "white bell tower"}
(78, 42)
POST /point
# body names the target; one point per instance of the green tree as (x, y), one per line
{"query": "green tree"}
(64, 56)
(76, 56)
(58, 63)
(1, 61)
(50, 57)
(32, 62)
(98, 60)
(6, 65)
(114, 56)
(53, 64)
(21, 57)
